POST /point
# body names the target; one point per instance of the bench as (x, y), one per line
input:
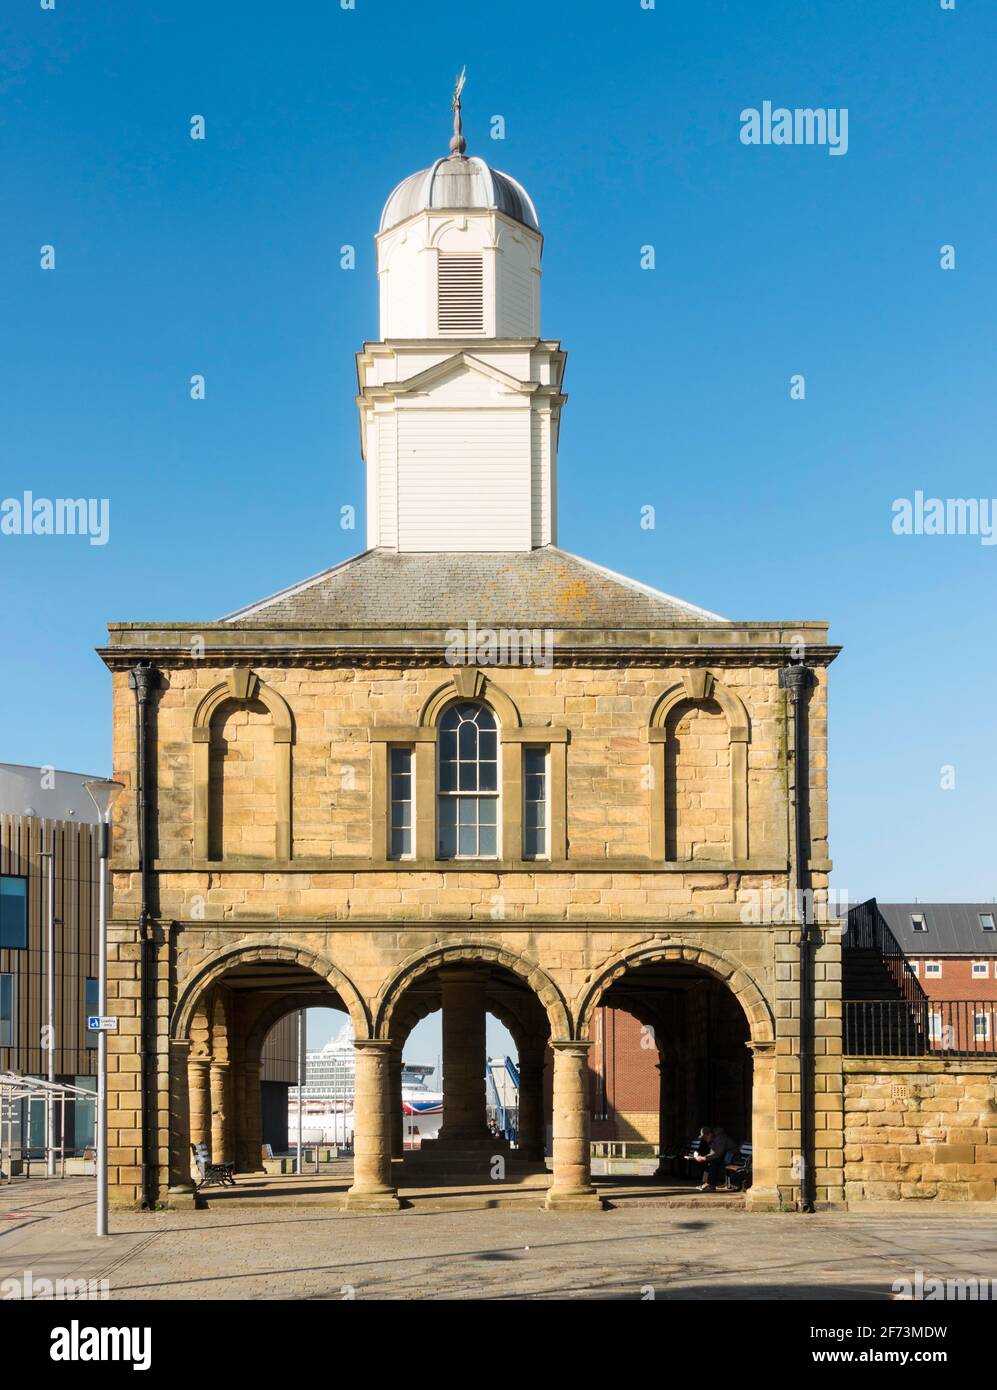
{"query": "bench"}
(738, 1172)
(220, 1174)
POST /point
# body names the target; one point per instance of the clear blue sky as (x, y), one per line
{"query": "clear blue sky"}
(221, 257)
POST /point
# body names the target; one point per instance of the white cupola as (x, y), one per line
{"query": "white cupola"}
(460, 398)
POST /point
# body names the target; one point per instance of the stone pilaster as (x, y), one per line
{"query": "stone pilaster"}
(763, 1195)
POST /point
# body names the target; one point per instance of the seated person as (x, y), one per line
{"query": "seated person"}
(714, 1146)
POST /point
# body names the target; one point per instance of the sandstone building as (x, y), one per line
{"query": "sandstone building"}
(470, 770)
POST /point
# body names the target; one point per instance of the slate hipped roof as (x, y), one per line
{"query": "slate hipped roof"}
(546, 588)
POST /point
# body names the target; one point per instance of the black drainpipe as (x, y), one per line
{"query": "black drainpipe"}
(143, 680)
(798, 680)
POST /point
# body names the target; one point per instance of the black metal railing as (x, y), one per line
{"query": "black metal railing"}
(937, 1028)
(867, 930)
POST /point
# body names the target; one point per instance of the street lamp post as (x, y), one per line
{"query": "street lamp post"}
(102, 793)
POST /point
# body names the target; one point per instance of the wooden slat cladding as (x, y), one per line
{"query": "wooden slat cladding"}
(460, 294)
(76, 868)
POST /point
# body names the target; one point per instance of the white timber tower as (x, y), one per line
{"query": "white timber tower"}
(460, 399)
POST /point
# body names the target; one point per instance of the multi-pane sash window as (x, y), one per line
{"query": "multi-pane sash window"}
(402, 803)
(981, 1025)
(468, 796)
(6, 1011)
(13, 911)
(535, 817)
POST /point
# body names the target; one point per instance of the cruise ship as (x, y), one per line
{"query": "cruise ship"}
(327, 1097)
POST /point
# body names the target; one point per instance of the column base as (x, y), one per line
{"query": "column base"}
(573, 1199)
(762, 1199)
(180, 1198)
(371, 1201)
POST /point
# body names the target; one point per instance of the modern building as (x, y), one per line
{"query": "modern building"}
(46, 811)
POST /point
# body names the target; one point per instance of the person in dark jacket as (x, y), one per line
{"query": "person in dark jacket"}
(714, 1147)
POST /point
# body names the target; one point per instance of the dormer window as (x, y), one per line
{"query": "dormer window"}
(917, 922)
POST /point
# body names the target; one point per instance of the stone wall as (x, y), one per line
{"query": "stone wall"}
(303, 871)
(923, 1128)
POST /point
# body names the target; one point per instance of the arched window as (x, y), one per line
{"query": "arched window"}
(468, 783)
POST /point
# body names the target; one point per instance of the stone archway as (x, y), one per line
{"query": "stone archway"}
(471, 953)
(466, 980)
(222, 1016)
(733, 984)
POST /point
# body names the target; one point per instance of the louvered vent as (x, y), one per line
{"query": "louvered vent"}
(461, 305)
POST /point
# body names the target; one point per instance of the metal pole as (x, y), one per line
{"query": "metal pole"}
(301, 1072)
(49, 856)
(102, 1037)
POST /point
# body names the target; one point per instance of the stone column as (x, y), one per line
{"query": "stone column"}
(199, 1089)
(572, 1188)
(220, 1143)
(251, 1158)
(663, 1136)
(372, 1189)
(397, 1117)
(464, 1116)
(531, 1107)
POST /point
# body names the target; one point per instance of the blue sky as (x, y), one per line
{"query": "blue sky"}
(221, 257)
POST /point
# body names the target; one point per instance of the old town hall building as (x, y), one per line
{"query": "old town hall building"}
(470, 770)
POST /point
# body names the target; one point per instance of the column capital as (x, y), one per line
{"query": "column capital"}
(374, 1045)
(574, 1047)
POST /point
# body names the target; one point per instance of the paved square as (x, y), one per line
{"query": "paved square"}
(276, 1251)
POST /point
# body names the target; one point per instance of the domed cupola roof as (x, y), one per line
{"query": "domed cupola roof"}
(458, 182)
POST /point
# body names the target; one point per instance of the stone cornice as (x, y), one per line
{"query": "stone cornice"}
(199, 645)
